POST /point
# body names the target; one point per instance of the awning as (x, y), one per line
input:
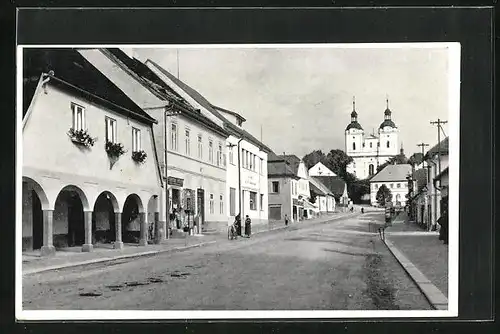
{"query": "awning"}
(308, 205)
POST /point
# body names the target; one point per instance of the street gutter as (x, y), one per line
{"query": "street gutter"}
(110, 259)
(435, 297)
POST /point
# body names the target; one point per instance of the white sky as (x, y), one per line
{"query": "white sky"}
(302, 98)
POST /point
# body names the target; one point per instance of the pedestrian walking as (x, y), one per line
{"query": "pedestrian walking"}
(286, 220)
(248, 226)
(443, 222)
(237, 223)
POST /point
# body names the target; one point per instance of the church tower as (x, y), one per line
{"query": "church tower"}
(388, 134)
(354, 134)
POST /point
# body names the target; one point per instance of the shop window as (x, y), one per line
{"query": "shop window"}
(253, 200)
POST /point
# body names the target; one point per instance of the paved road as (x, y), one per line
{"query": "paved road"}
(338, 265)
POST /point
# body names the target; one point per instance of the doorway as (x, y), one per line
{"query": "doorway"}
(76, 223)
(201, 207)
(37, 221)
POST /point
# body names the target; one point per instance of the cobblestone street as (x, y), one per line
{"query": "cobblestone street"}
(336, 265)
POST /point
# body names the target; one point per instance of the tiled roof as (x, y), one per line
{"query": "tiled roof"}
(279, 168)
(190, 91)
(212, 108)
(420, 175)
(334, 183)
(318, 187)
(72, 71)
(229, 112)
(293, 161)
(164, 91)
(392, 173)
(444, 149)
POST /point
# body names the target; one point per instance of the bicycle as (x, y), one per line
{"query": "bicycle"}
(231, 232)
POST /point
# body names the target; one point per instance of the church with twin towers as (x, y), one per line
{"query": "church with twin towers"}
(372, 150)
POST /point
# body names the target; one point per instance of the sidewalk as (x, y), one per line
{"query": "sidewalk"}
(423, 256)
(33, 262)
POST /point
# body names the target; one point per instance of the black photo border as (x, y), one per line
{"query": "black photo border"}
(472, 27)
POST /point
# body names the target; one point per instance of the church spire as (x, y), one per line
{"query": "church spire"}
(354, 114)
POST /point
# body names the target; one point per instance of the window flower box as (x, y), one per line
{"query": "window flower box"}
(139, 156)
(81, 137)
(114, 150)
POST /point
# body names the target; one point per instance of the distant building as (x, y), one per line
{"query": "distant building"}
(394, 177)
(437, 158)
(325, 199)
(320, 170)
(289, 191)
(338, 187)
(369, 152)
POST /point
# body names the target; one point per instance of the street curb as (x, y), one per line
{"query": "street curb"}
(110, 259)
(435, 297)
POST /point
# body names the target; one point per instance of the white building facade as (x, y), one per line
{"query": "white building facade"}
(394, 177)
(79, 188)
(195, 140)
(369, 152)
(246, 173)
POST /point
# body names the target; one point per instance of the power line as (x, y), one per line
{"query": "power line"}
(439, 122)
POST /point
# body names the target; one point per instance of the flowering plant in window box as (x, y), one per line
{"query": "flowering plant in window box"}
(114, 150)
(139, 156)
(81, 137)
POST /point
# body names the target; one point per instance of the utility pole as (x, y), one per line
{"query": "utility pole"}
(439, 122)
(423, 145)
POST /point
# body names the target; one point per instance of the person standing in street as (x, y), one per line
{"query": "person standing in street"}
(286, 220)
(238, 224)
(443, 222)
(248, 226)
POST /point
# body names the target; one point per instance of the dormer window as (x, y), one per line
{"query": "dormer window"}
(239, 122)
(388, 144)
(353, 146)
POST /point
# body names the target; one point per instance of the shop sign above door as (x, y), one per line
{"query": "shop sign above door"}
(175, 181)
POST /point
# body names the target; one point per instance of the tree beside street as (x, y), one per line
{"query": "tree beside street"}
(384, 195)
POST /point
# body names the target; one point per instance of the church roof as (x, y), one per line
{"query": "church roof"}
(392, 173)
(354, 125)
(387, 122)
